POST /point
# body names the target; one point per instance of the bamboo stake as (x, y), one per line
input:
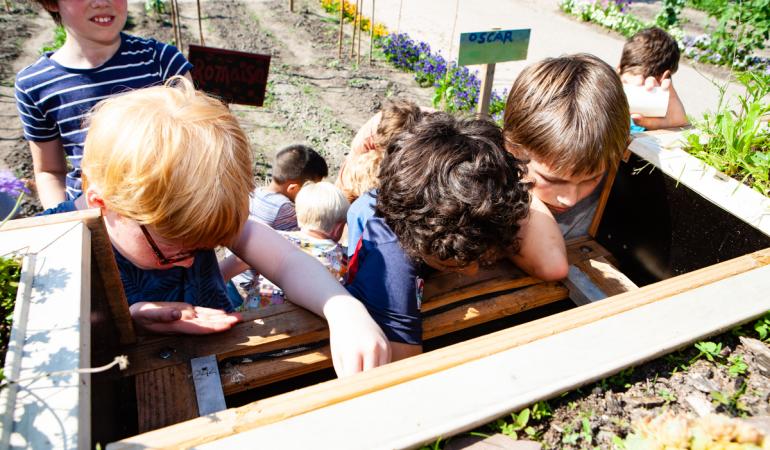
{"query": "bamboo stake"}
(353, 40)
(398, 22)
(360, 22)
(371, 35)
(454, 27)
(8, 6)
(291, 5)
(173, 25)
(200, 25)
(342, 21)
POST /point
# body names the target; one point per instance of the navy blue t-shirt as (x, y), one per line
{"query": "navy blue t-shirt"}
(385, 280)
(199, 285)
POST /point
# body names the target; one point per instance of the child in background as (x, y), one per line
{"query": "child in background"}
(650, 58)
(460, 207)
(321, 209)
(173, 182)
(273, 205)
(97, 61)
(374, 136)
(568, 117)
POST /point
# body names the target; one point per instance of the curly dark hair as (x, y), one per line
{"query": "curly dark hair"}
(448, 189)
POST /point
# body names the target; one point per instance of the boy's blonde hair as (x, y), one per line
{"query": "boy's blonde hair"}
(174, 158)
(360, 174)
(320, 206)
(569, 113)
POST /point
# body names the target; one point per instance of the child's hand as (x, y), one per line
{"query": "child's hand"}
(180, 317)
(357, 342)
(675, 114)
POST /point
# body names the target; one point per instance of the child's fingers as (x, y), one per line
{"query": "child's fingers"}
(202, 311)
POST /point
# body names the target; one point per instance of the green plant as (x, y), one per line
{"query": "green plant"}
(711, 350)
(667, 395)
(669, 13)
(155, 6)
(736, 142)
(621, 379)
(742, 28)
(541, 410)
(435, 446)
(762, 327)
(59, 36)
(519, 423)
(607, 14)
(737, 366)
(732, 404)
(10, 271)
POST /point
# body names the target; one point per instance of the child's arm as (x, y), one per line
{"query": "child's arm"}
(232, 266)
(542, 252)
(356, 340)
(675, 114)
(50, 169)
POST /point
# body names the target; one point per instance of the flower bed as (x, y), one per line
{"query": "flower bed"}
(741, 29)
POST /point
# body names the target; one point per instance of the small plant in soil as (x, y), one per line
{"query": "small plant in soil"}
(711, 350)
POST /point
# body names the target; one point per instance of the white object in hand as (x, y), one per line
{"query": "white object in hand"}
(648, 103)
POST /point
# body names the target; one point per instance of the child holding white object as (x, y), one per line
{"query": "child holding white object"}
(321, 213)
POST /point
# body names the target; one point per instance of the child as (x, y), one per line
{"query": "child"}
(460, 207)
(568, 117)
(650, 58)
(293, 166)
(273, 205)
(356, 172)
(96, 61)
(321, 209)
(173, 182)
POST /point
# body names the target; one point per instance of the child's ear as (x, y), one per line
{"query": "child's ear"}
(336, 233)
(94, 198)
(293, 189)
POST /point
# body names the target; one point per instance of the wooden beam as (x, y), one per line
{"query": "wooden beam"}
(240, 377)
(164, 397)
(603, 197)
(271, 410)
(447, 402)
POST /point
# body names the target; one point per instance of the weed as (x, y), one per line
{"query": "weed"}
(731, 403)
(667, 395)
(10, 271)
(155, 6)
(435, 446)
(762, 327)
(711, 350)
(737, 366)
(541, 410)
(59, 36)
(619, 380)
(519, 423)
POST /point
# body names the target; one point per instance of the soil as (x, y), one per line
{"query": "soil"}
(315, 98)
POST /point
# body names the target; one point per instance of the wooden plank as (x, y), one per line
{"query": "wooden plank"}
(240, 377)
(208, 388)
(271, 410)
(164, 397)
(424, 409)
(663, 150)
(582, 290)
(596, 220)
(54, 410)
(595, 279)
(52, 219)
(580, 249)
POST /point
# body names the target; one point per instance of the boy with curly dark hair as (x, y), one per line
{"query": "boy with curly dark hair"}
(450, 198)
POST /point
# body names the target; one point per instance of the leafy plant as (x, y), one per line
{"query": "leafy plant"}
(541, 410)
(608, 14)
(519, 423)
(59, 36)
(621, 379)
(711, 350)
(762, 327)
(737, 366)
(737, 143)
(731, 403)
(156, 6)
(10, 271)
(667, 395)
(669, 13)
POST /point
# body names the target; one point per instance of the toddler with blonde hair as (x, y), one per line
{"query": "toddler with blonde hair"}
(321, 214)
(170, 169)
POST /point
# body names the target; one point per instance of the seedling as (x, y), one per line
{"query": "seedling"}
(541, 410)
(667, 395)
(519, 423)
(435, 446)
(731, 403)
(711, 350)
(737, 366)
(762, 327)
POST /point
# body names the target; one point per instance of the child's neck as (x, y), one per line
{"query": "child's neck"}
(85, 54)
(318, 234)
(278, 188)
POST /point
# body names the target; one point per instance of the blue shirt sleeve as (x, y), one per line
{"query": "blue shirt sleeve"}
(359, 213)
(63, 207)
(388, 284)
(38, 127)
(172, 62)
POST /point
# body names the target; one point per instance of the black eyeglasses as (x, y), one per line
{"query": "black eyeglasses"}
(159, 254)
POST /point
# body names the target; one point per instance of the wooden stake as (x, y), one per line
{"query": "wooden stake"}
(291, 5)
(454, 27)
(485, 93)
(398, 22)
(173, 25)
(342, 21)
(360, 22)
(200, 25)
(355, 25)
(7, 5)
(371, 35)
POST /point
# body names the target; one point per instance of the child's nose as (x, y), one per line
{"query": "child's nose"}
(568, 196)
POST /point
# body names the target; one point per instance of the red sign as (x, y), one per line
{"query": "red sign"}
(235, 77)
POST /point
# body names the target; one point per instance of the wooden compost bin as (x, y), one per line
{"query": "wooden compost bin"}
(698, 242)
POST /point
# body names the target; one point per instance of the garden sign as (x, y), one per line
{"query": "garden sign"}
(236, 77)
(488, 48)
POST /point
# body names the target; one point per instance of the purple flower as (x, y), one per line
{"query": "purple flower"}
(11, 185)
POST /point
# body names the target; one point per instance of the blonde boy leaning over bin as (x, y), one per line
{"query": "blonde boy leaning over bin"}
(173, 182)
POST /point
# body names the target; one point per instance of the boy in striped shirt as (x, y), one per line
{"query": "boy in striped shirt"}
(97, 61)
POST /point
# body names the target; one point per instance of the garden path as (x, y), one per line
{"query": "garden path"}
(553, 34)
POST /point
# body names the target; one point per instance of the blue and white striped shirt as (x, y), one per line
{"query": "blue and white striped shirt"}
(53, 100)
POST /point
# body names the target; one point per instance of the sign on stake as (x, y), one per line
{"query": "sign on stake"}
(488, 48)
(236, 77)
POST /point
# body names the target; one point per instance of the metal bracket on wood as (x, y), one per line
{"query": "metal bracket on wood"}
(582, 290)
(208, 387)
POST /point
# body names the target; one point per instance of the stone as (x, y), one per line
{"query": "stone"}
(699, 404)
(760, 352)
(700, 383)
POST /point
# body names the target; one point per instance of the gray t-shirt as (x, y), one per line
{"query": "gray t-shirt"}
(575, 222)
